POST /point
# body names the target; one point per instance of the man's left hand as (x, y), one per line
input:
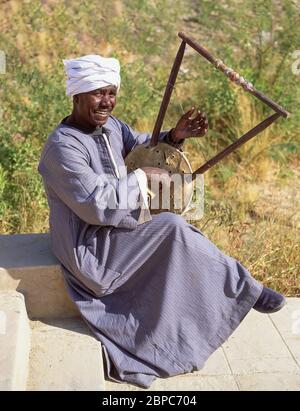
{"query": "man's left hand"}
(188, 126)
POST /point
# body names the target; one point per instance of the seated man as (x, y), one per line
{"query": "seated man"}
(154, 290)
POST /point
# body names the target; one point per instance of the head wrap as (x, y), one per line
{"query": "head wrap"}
(91, 72)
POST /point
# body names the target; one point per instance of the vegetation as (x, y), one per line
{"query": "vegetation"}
(252, 198)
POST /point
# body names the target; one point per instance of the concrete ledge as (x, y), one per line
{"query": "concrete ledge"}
(28, 266)
(64, 356)
(14, 341)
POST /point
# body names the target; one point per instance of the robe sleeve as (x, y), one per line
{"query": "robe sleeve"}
(95, 199)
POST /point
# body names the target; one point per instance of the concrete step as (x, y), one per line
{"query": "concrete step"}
(28, 266)
(14, 341)
(64, 356)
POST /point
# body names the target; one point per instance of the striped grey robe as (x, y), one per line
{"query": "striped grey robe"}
(159, 295)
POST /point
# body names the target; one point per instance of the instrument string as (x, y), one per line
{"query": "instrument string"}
(177, 97)
(198, 144)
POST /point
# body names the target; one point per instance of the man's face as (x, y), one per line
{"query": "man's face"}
(94, 107)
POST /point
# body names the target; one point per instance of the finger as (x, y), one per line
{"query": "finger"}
(201, 115)
(198, 120)
(197, 123)
(201, 118)
(199, 131)
(198, 116)
(189, 113)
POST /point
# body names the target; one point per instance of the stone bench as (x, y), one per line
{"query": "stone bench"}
(28, 266)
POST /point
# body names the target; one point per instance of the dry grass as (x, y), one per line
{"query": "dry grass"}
(254, 214)
(268, 248)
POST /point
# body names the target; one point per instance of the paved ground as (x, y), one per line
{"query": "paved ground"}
(262, 354)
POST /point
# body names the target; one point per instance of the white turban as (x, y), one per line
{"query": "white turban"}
(91, 72)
